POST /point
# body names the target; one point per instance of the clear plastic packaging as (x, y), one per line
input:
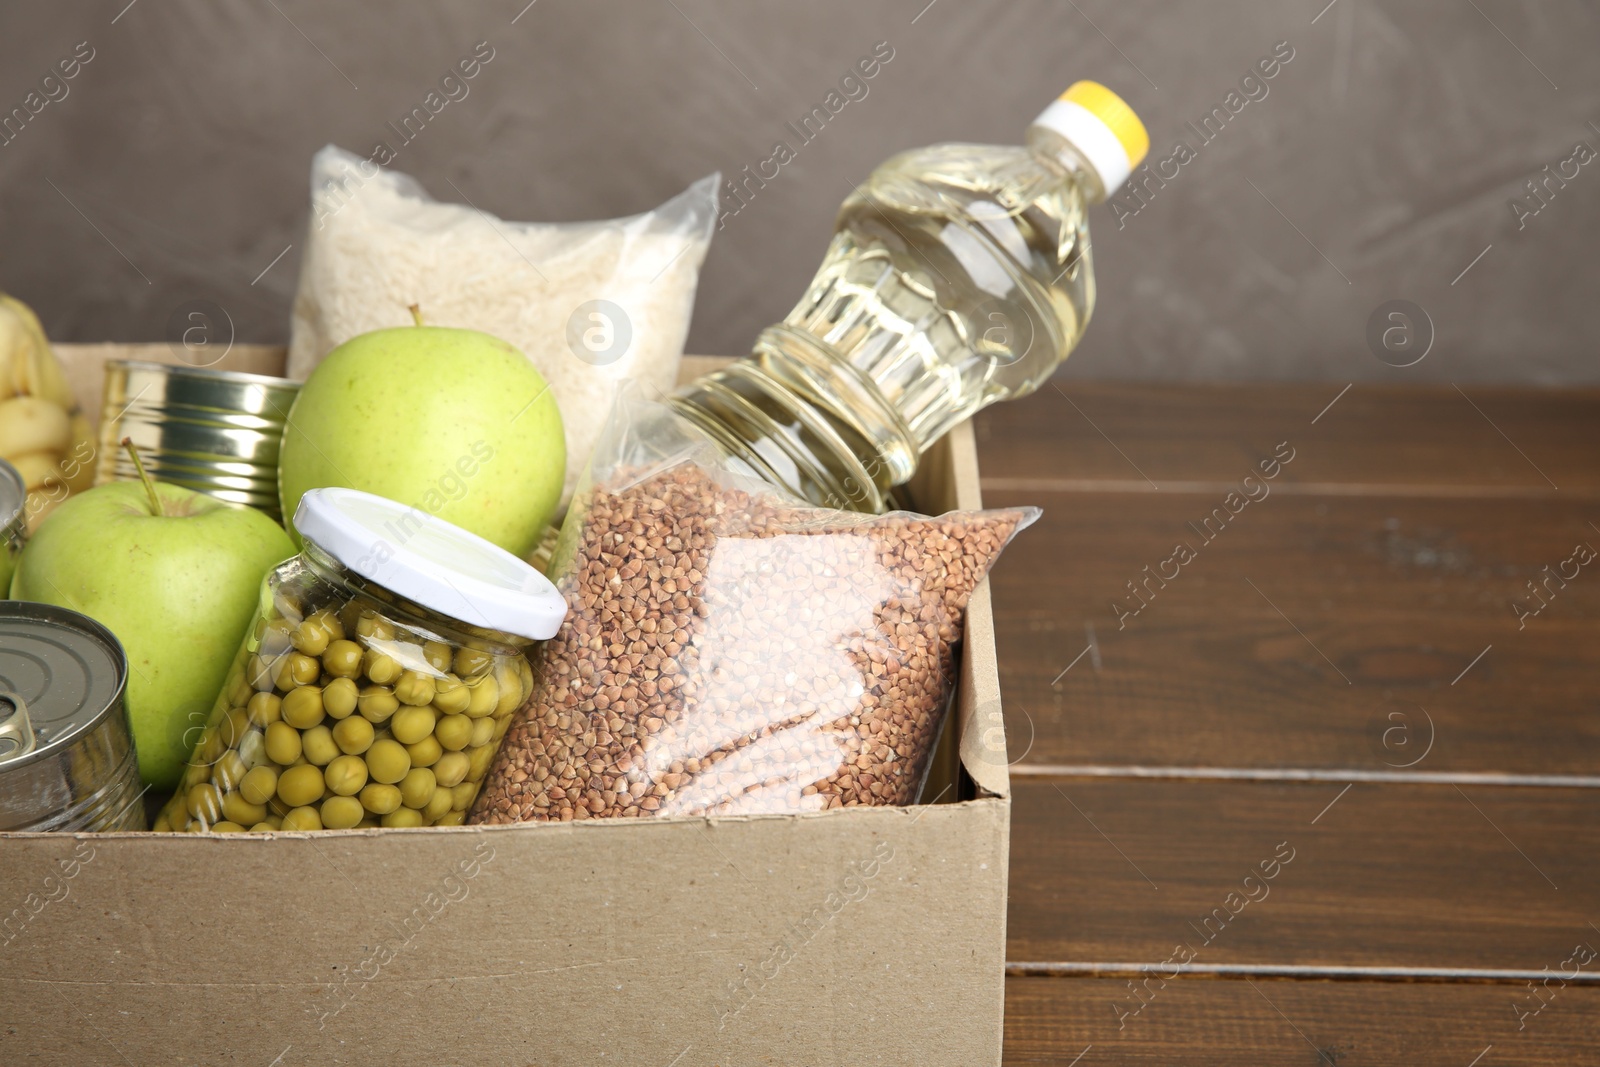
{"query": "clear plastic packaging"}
(590, 303)
(729, 649)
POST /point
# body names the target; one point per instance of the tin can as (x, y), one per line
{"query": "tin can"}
(216, 432)
(13, 523)
(66, 753)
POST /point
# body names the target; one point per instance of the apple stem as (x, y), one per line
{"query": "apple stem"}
(416, 313)
(144, 476)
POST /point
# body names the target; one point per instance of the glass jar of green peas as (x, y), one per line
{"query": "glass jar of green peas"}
(372, 689)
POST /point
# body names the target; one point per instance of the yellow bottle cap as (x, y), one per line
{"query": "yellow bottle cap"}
(1114, 111)
(1102, 126)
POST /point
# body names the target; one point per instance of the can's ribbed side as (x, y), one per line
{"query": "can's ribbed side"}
(216, 432)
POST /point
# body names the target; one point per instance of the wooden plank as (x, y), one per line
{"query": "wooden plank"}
(1380, 437)
(1119, 873)
(1293, 636)
(1266, 1023)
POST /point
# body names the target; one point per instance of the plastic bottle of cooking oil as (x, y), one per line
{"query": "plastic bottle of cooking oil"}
(958, 275)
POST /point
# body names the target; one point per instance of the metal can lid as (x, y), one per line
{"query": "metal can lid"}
(64, 669)
(157, 387)
(13, 497)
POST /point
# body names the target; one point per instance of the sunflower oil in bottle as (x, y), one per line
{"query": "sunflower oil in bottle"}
(958, 275)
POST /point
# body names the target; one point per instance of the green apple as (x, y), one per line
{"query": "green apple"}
(454, 423)
(176, 576)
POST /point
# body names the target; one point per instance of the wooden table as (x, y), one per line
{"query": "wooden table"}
(1334, 686)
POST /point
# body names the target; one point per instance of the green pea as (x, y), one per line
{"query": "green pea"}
(296, 669)
(204, 802)
(425, 753)
(462, 796)
(377, 703)
(259, 785)
(304, 818)
(388, 761)
(300, 786)
(211, 746)
(438, 805)
(259, 672)
(472, 661)
(411, 725)
(478, 759)
(401, 817)
(438, 655)
(414, 688)
(329, 621)
(454, 732)
(451, 696)
(510, 683)
(484, 695)
(342, 659)
(451, 768)
(452, 818)
(382, 668)
(228, 772)
(345, 776)
(302, 708)
(371, 628)
(381, 799)
(319, 746)
(235, 808)
(265, 709)
(310, 638)
(339, 697)
(283, 743)
(482, 732)
(417, 787)
(226, 827)
(232, 727)
(239, 689)
(353, 735)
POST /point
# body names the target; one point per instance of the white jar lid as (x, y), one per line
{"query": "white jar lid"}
(430, 562)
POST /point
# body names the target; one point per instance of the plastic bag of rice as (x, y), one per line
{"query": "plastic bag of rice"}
(591, 303)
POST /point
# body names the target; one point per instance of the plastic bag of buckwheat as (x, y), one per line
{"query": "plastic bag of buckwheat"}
(729, 649)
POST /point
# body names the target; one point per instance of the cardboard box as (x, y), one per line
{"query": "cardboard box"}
(855, 936)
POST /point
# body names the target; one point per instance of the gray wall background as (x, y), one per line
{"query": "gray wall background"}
(1382, 159)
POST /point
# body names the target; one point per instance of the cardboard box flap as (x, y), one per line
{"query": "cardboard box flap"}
(977, 710)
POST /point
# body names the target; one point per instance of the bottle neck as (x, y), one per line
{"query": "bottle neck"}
(786, 439)
(1060, 154)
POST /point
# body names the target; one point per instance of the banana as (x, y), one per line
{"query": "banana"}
(13, 341)
(31, 424)
(42, 433)
(38, 469)
(37, 372)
